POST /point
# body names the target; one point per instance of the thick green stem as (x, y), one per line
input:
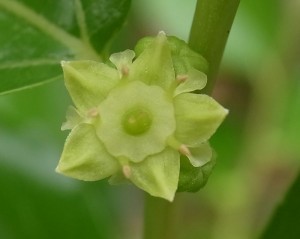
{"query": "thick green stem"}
(157, 217)
(210, 29)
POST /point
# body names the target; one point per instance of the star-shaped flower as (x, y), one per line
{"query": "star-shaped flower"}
(133, 120)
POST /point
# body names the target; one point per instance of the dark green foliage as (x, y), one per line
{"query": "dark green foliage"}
(285, 221)
(37, 35)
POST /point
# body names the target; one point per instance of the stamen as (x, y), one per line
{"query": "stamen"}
(93, 112)
(175, 144)
(183, 149)
(124, 71)
(178, 80)
(181, 78)
(126, 171)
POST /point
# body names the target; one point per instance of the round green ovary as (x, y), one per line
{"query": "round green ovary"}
(137, 122)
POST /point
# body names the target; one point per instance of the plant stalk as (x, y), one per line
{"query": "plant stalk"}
(210, 29)
(157, 218)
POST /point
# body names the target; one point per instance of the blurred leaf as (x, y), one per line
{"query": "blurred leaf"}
(37, 35)
(285, 221)
(254, 34)
(173, 16)
(291, 126)
(31, 209)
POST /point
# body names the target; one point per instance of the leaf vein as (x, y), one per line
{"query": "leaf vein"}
(28, 63)
(79, 48)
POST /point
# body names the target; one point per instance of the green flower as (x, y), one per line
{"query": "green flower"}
(133, 120)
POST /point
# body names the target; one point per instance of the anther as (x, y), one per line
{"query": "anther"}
(181, 78)
(93, 112)
(183, 149)
(126, 171)
(124, 71)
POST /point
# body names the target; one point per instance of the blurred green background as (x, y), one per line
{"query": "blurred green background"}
(258, 145)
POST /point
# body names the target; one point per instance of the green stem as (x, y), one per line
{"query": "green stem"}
(157, 215)
(210, 29)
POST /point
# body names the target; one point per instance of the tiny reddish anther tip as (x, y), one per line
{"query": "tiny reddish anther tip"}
(126, 171)
(183, 149)
(125, 71)
(181, 78)
(93, 112)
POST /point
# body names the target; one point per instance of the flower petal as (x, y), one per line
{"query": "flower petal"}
(122, 60)
(73, 118)
(200, 155)
(196, 80)
(197, 118)
(154, 65)
(158, 174)
(88, 82)
(84, 156)
(120, 101)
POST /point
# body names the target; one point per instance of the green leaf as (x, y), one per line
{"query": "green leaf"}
(37, 35)
(34, 209)
(285, 221)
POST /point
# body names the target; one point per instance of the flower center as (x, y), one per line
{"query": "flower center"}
(137, 122)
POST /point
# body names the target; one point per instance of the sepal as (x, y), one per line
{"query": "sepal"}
(197, 118)
(84, 156)
(192, 179)
(88, 82)
(158, 174)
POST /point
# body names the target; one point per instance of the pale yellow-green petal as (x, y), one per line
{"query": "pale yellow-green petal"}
(200, 155)
(154, 65)
(196, 80)
(73, 118)
(122, 60)
(84, 156)
(197, 118)
(158, 174)
(88, 82)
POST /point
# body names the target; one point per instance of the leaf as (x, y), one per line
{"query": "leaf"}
(33, 209)
(259, 30)
(285, 221)
(37, 35)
